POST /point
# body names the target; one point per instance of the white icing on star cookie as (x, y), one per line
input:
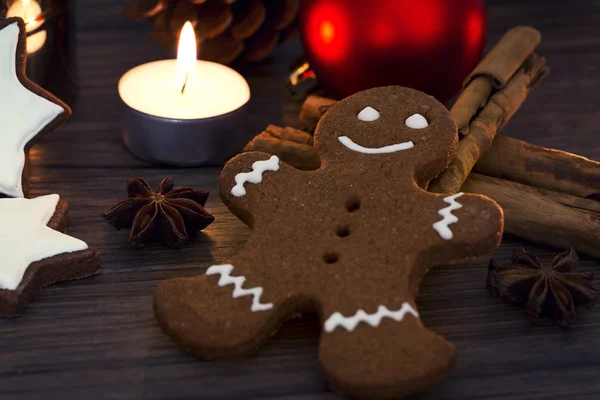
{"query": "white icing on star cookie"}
(349, 143)
(349, 323)
(442, 226)
(25, 237)
(23, 115)
(416, 121)
(238, 281)
(369, 114)
(258, 168)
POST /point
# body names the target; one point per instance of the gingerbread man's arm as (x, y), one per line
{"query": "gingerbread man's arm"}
(461, 226)
(249, 179)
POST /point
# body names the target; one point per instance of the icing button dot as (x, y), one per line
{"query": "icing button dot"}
(342, 231)
(330, 258)
(368, 114)
(416, 121)
(353, 204)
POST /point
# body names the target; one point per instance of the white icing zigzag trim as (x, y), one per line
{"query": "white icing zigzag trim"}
(258, 168)
(442, 226)
(238, 281)
(349, 323)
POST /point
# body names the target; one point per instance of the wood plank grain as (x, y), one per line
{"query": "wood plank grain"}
(97, 338)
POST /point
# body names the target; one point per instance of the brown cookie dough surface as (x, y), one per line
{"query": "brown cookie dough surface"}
(350, 241)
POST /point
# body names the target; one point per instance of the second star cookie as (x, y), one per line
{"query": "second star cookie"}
(350, 241)
(35, 253)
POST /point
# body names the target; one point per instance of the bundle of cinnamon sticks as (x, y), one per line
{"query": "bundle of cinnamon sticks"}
(549, 196)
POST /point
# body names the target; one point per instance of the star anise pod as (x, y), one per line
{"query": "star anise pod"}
(556, 291)
(169, 214)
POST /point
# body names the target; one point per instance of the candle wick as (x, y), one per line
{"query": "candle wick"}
(185, 83)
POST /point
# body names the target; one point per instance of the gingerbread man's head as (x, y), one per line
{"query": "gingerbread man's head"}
(394, 127)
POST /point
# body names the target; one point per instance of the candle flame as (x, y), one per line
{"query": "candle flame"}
(26, 18)
(186, 52)
(25, 13)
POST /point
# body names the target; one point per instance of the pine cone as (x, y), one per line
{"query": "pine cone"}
(225, 29)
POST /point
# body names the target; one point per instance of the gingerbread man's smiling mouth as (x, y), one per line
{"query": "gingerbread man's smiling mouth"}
(349, 143)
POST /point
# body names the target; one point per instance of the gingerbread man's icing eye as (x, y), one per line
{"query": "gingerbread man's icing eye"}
(369, 114)
(416, 121)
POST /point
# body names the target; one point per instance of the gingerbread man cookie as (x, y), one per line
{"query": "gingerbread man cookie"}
(350, 241)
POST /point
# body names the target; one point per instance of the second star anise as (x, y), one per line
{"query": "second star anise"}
(555, 291)
(167, 214)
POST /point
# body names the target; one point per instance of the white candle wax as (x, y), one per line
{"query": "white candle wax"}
(211, 90)
(29, 11)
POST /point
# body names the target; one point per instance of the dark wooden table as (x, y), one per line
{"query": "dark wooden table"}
(97, 338)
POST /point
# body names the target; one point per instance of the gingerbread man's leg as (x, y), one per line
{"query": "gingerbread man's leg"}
(382, 351)
(374, 345)
(227, 312)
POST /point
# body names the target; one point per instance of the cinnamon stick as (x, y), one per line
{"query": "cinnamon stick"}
(494, 71)
(290, 145)
(532, 165)
(540, 218)
(498, 111)
(562, 198)
(471, 99)
(313, 109)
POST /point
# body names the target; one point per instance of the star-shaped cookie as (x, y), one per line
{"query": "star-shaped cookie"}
(27, 111)
(33, 251)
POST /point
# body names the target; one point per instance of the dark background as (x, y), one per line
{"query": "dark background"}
(97, 338)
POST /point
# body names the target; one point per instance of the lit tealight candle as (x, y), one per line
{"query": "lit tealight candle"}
(184, 111)
(31, 13)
